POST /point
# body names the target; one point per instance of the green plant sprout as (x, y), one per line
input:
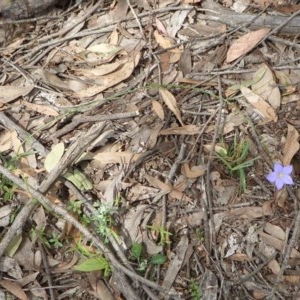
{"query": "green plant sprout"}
(235, 159)
(195, 290)
(75, 206)
(7, 187)
(164, 235)
(40, 235)
(136, 254)
(104, 221)
(95, 263)
(54, 240)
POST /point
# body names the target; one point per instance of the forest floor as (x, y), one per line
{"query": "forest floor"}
(150, 150)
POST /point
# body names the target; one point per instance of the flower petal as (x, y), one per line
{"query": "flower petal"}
(287, 169)
(278, 168)
(287, 179)
(272, 177)
(279, 183)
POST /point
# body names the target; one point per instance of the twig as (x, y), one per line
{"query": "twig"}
(24, 135)
(98, 118)
(47, 270)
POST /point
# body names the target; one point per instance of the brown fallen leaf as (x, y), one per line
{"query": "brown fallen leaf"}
(10, 93)
(157, 107)
(171, 102)
(245, 44)
(167, 188)
(42, 109)
(277, 244)
(291, 145)
(194, 171)
(262, 107)
(14, 289)
(184, 130)
(116, 157)
(267, 87)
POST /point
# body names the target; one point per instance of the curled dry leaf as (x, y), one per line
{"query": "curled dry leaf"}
(261, 106)
(193, 172)
(267, 87)
(245, 44)
(291, 145)
(171, 102)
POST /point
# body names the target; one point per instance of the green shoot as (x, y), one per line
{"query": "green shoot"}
(75, 206)
(195, 290)
(54, 240)
(95, 263)
(104, 221)
(164, 235)
(235, 159)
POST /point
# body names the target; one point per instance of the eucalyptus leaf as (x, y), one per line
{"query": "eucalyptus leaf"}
(54, 156)
(93, 264)
(158, 259)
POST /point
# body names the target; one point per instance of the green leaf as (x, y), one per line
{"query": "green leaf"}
(71, 177)
(14, 245)
(158, 259)
(93, 264)
(54, 156)
(85, 182)
(136, 250)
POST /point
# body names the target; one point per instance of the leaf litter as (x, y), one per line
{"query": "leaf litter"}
(146, 134)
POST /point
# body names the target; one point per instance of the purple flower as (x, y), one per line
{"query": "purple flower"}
(281, 175)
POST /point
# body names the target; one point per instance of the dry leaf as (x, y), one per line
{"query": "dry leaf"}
(157, 107)
(42, 109)
(275, 231)
(291, 145)
(13, 288)
(185, 130)
(266, 87)
(263, 108)
(277, 244)
(9, 93)
(116, 157)
(167, 188)
(104, 82)
(164, 42)
(171, 102)
(245, 44)
(193, 172)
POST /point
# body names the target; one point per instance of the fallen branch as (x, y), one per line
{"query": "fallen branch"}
(227, 16)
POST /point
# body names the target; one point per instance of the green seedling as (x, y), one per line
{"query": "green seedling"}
(7, 187)
(235, 159)
(164, 235)
(79, 180)
(75, 206)
(39, 234)
(158, 259)
(136, 254)
(95, 263)
(200, 234)
(195, 290)
(104, 221)
(54, 240)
